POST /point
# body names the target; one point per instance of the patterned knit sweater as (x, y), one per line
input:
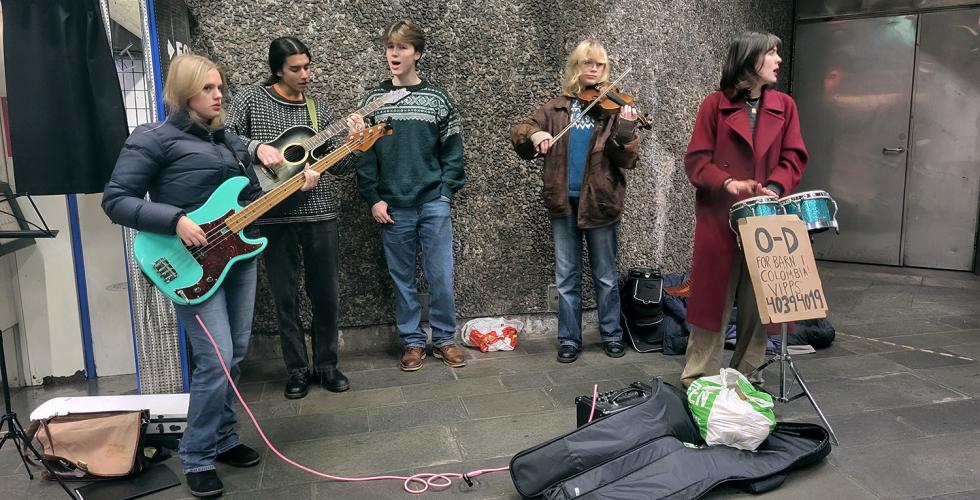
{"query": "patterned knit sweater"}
(259, 115)
(423, 158)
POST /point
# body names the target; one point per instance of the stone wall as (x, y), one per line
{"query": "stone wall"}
(500, 59)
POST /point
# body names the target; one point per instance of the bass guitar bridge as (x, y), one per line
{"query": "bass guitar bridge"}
(165, 270)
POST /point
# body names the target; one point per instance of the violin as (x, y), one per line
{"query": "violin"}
(609, 98)
(612, 102)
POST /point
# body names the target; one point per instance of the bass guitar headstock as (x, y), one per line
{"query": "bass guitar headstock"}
(362, 140)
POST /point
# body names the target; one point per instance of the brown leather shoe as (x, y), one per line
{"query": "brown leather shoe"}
(450, 354)
(412, 358)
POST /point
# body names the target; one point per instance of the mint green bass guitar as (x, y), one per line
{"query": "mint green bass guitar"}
(189, 275)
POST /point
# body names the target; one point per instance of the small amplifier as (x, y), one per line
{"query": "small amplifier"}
(608, 403)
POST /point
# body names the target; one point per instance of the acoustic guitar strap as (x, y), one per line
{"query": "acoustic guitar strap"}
(311, 109)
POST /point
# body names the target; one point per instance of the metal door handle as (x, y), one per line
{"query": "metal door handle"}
(898, 150)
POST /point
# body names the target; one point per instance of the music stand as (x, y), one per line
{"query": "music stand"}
(14, 226)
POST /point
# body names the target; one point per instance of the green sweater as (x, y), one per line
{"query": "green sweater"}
(423, 158)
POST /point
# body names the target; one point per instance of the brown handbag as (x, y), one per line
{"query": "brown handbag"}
(87, 446)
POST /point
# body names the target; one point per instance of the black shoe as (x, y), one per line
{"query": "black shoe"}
(204, 483)
(239, 456)
(614, 349)
(297, 386)
(567, 353)
(334, 381)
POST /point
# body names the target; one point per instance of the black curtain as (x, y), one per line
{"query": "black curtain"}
(67, 121)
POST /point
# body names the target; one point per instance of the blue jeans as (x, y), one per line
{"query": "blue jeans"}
(603, 243)
(210, 415)
(431, 225)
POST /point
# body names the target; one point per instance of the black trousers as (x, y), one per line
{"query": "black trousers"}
(317, 243)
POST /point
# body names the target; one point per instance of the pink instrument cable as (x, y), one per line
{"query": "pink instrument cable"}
(595, 396)
(436, 481)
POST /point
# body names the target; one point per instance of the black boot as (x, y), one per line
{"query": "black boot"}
(239, 456)
(297, 386)
(567, 353)
(333, 380)
(204, 483)
(614, 349)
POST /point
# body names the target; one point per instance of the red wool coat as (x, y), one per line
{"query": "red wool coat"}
(722, 147)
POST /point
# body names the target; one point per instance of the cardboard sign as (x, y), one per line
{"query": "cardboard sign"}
(784, 273)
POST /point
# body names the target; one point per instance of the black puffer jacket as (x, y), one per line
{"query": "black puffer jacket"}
(180, 164)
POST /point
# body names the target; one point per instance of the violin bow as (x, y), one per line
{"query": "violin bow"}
(593, 103)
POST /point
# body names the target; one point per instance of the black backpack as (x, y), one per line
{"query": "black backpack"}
(642, 310)
(675, 327)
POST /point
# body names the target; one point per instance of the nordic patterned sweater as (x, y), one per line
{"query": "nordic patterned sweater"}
(423, 158)
(259, 115)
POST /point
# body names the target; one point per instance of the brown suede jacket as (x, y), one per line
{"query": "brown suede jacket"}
(614, 148)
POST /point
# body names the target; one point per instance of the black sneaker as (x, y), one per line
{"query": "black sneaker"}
(614, 349)
(297, 386)
(333, 380)
(239, 456)
(567, 353)
(204, 484)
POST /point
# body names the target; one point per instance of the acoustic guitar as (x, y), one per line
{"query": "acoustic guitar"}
(301, 144)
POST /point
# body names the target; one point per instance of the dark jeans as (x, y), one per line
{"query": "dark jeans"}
(317, 241)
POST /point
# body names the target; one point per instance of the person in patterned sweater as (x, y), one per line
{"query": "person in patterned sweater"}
(409, 180)
(259, 115)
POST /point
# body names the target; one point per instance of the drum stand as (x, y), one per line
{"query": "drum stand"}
(784, 359)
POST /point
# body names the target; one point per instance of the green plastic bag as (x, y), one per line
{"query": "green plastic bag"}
(724, 416)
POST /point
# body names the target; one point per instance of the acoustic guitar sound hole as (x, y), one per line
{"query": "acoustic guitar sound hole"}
(294, 153)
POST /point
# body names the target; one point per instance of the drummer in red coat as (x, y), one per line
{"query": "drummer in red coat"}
(746, 143)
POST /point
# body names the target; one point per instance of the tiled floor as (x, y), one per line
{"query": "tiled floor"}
(908, 420)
